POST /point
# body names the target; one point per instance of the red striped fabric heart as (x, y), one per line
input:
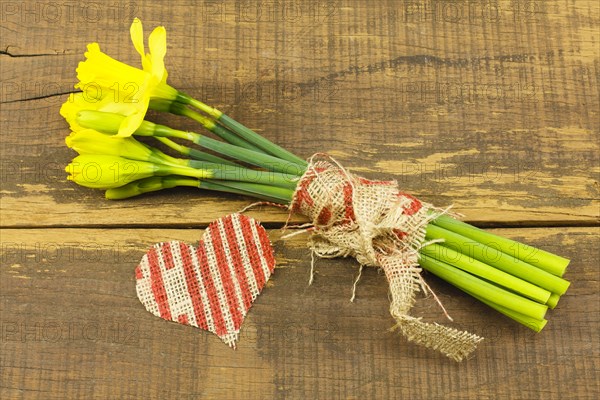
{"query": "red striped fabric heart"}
(212, 286)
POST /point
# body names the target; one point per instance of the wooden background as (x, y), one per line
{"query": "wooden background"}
(490, 105)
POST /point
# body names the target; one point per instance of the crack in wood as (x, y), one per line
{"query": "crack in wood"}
(6, 52)
(420, 60)
(39, 97)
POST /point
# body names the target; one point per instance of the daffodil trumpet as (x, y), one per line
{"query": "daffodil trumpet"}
(519, 281)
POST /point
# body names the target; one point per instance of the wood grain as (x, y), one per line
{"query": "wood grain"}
(491, 106)
(83, 333)
(507, 132)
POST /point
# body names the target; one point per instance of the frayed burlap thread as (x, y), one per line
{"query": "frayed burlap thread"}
(380, 226)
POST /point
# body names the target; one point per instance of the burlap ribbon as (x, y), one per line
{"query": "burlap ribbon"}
(380, 226)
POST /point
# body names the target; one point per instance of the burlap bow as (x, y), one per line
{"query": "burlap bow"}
(380, 226)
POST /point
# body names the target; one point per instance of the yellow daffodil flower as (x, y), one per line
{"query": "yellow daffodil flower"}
(109, 85)
(102, 171)
(108, 112)
(109, 123)
(106, 171)
(70, 108)
(89, 141)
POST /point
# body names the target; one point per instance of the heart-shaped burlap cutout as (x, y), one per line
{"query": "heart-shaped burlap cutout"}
(212, 286)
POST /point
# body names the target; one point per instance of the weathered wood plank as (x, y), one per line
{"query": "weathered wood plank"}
(73, 328)
(503, 121)
(492, 106)
(482, 174)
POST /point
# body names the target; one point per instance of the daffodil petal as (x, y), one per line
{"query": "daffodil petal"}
(98, 171)
(133, 121)
(137, 36)
(109, 85)
(125, 109)
(102, 71)
(157, 43)
(71, 107)
(92, 142)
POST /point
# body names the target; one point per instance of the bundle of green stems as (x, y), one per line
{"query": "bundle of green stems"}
(517, 280)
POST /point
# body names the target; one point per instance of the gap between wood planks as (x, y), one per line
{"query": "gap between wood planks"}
(279, 225)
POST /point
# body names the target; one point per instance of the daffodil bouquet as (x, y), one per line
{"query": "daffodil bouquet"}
(372, 221)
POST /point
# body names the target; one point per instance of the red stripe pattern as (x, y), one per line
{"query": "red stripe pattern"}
(213, 286)
(329, 196)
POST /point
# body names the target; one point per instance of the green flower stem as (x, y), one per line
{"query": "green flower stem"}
(241, 130)
(549, 262)
(491, 274)
(158, 157)
(109, 124)
(492, 256)
(193, 153)
(492, 293)
(261, 141)
(239, 174)
(230, 173)
(148, 185)
(532, 323)
(271, 193)
(197, 164)
(251, 157)
(209, 185)
(223, 133)
(185, 99)
(248, 156)
(157, 183)
(226, 187)
(553, 300)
